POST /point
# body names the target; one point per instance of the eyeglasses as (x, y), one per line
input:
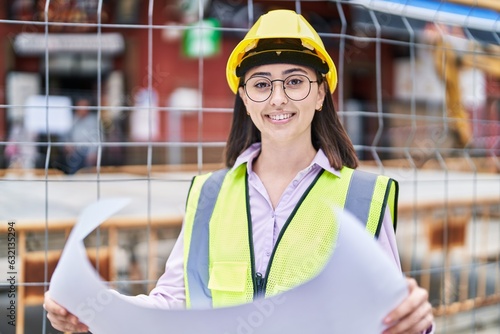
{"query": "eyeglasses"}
(259, 88)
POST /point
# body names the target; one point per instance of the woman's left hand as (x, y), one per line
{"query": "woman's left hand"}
(413, 315)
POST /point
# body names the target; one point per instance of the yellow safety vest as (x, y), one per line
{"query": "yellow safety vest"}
(218, 247)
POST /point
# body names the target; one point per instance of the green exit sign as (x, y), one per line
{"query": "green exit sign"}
(202, 39)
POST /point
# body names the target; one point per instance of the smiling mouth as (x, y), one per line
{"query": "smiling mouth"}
(280, 117)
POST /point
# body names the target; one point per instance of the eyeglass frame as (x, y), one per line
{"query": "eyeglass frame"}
(244, 85)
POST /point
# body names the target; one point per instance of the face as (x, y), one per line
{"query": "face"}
(282, 118)
(82, 108)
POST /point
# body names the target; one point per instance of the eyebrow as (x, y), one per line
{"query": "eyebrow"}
(295, 69)
(288, 71)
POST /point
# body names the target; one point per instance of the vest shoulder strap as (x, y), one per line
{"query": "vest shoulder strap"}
(368, 196)
(197, 239)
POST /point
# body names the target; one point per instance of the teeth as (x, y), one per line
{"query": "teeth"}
(280, 117)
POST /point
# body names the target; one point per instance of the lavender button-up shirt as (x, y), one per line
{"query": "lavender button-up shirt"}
(266, 225)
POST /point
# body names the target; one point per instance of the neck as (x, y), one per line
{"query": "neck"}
(285, 158)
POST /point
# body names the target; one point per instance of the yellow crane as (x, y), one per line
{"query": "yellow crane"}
(448, 62)
(488, 4)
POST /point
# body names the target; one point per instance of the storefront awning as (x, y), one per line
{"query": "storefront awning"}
(32, 44)
(482, 24)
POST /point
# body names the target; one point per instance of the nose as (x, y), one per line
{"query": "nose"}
(278, 95)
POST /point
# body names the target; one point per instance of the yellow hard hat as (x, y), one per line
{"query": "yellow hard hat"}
(272, 39)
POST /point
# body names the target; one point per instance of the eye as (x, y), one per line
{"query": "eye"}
(294, 81)
(259, 83)
(262, 84)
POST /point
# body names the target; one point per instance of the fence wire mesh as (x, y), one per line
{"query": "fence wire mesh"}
(418, 93)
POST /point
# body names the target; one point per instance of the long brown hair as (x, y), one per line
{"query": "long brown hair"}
(327, 133)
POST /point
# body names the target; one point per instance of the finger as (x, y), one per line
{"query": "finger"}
(417, 297)
(52, 307)
(60, 318)
(66, 324)
(417, 321)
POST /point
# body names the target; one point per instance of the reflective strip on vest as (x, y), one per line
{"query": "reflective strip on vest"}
(362, 184)
(367, 197)
(363, 189)
(197, 264)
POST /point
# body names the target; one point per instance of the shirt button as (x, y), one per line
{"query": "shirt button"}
(295, 183)
(268, 253)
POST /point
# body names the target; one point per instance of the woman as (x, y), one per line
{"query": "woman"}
(289, 163)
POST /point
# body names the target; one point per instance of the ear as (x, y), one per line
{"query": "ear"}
(243, 95)
(321, 95)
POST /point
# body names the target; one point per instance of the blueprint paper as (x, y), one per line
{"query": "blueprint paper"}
(357, 288)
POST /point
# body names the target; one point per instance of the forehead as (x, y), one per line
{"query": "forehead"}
(279, 70)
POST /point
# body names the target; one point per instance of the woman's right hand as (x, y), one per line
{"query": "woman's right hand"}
(60, 318)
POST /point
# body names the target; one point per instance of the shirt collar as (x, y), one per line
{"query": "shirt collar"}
(253, 152)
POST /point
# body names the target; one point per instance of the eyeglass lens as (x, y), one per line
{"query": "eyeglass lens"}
(259, 88)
